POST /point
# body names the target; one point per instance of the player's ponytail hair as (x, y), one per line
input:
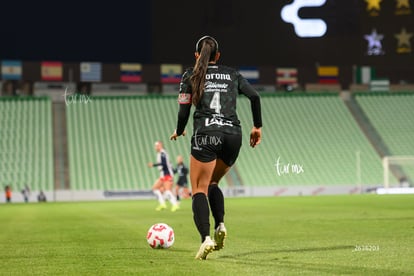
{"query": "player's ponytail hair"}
(207, 47)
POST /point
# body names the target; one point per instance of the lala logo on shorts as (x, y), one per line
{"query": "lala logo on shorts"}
(304, 27)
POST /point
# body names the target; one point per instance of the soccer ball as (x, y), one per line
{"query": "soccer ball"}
(160, 235)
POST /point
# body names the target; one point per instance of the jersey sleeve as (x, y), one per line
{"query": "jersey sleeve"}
(184, 101)
(246, 89)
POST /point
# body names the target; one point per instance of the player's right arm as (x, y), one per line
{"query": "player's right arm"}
(185, 102)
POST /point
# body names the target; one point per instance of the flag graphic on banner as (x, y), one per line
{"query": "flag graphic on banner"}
(51, 71)
(364, 74)
(131, 72)
(286, 76)
(11, 70)
(250, 73)
(171, 73)
(91, 71)
(328, 74)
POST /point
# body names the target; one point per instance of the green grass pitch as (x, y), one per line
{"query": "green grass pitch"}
(320, 235)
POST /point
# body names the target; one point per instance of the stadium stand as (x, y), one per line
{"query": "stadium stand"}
(392, 115)
(315, 132)
(26, 146)
(308, 140)
(111, 141)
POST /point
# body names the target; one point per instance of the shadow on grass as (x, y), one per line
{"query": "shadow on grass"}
(297, 264)
(293, 250)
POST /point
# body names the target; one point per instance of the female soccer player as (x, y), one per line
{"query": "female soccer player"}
(181, 188)
(163, 185)
(217, 138)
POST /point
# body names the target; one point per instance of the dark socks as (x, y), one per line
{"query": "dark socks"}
(216, 199)
(201, 214)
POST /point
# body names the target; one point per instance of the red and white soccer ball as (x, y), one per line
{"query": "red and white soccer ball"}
(160, 235)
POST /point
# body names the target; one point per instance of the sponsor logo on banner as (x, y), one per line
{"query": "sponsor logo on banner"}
(310, 27)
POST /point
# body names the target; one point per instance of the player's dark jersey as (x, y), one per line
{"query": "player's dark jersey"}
(216, 110)
(182, 172)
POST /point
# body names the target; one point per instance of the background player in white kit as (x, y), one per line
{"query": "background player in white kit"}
(162, 187)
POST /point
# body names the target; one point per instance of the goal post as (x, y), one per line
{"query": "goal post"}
(399, 169)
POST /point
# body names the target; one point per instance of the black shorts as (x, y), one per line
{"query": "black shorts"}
(182, 182)
(208, 146)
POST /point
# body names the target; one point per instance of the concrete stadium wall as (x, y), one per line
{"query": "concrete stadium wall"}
(69, 195)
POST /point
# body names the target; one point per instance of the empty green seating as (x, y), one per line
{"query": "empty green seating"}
(307, 140)
(315, 139)
(26, 145)
(392, 115)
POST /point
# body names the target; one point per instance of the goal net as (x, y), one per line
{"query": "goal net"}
(398, 171)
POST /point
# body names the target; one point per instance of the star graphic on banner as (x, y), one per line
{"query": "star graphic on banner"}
(403, 4)
(374, 39)
(404, 38)
(404, 44)
(374, 43)
(402, 7)
(373, 4)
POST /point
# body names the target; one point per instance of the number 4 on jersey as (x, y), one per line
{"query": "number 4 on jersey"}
(215, 102)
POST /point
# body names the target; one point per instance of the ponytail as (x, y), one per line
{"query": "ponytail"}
(207, 47)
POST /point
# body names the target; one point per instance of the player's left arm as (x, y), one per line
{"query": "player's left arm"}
(246, 89)
(151, 165)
